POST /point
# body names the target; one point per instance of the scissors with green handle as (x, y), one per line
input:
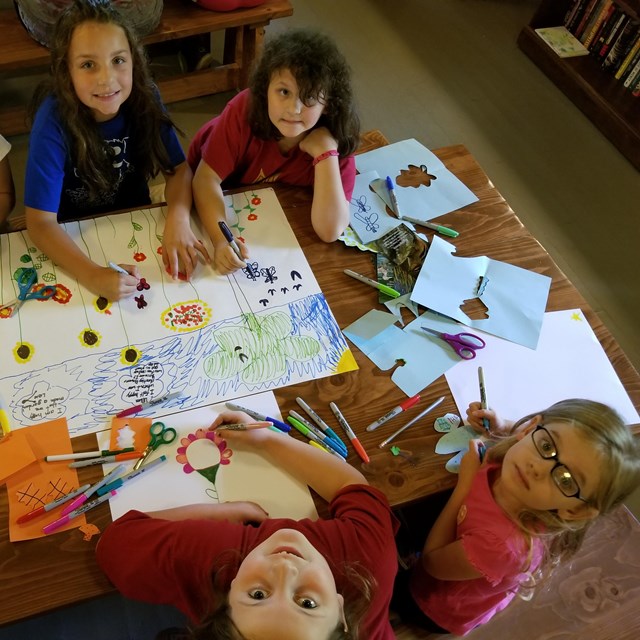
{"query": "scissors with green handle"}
(27, 281)
(160, 434)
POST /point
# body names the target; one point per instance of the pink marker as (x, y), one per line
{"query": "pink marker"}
(403, 406)
(56, 524)
(83, 497)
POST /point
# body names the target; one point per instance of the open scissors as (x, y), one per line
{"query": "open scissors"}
(160, 434)
(27, 280)
(464, 344)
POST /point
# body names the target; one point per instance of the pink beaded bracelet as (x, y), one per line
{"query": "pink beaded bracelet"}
(324, 156)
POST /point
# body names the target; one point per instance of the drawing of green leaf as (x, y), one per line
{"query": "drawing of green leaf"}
(136, 226)
(132, 242)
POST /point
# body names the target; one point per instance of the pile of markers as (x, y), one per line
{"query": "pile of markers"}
(77, 502)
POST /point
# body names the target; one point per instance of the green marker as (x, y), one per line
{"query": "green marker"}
(445, 231)
(392, 293)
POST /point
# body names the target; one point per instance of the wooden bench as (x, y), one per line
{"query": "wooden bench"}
(243, 37)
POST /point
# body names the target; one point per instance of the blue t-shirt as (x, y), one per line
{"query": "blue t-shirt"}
(52, 182)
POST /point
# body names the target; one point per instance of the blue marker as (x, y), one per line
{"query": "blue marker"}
(392, 194)
(258, 416)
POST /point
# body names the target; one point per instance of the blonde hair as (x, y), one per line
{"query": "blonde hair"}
(618, 458)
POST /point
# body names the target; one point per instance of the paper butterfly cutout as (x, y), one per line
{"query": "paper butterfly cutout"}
(455, 441)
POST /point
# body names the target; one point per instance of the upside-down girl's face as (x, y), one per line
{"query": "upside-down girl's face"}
(284, 589)
(101, 68)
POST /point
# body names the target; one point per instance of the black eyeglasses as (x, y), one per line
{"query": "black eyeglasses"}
(546, 447)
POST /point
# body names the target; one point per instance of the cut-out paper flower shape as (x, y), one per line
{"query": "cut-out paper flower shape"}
(258, 350)
(204, 451)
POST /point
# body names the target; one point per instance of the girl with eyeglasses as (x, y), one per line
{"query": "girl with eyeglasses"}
(518, 513)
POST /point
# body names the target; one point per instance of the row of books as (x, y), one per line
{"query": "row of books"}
(610, 34)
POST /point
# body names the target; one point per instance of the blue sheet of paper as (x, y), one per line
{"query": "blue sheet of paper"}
(516, 298)
(425, 188)
(425, 357)
(368, 217)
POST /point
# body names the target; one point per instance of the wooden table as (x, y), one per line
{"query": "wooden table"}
(40, 575)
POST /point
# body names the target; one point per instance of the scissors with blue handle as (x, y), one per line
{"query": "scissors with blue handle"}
(160, 434)
(26, 280)
(464, 344)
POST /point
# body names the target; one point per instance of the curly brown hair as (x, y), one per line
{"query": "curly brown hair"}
(143, 108)
(321, 72)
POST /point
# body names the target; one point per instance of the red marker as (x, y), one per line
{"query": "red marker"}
(125, 413)
(403, 406)
(357, 445)
(51, 505)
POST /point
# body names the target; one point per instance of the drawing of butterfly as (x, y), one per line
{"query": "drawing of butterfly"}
(370, 221)
(269, 274)
(251, 271)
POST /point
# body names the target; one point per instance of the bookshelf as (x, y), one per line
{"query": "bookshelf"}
(602, 98)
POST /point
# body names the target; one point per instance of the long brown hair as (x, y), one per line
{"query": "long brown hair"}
(143, 109)
(618, 456)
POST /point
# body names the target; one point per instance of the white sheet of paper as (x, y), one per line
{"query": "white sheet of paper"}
(568, 363)
(248, 476)
(446, 193)
(211, 339)
(515, 298)
(368, 217)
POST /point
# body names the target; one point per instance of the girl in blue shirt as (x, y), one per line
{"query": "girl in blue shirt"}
(98, 136)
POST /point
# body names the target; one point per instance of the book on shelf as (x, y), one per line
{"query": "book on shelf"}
(584, 17)
(618, 24)
(592, 15)
(621, 47)
(597, 23)
(562, 41)
(633, 71)
(620, 73)
(574, 14)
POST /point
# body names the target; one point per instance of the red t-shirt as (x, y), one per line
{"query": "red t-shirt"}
(228, 146)
(165, 562)
(495, 546)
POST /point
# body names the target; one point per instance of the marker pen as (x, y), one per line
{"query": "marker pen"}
(258, 416)
(56, 524)
(357, 445)
(403, 406)
(51, 505)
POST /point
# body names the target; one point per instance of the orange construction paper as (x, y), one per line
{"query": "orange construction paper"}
(140, 429)
(41, 482)
(15, 454)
